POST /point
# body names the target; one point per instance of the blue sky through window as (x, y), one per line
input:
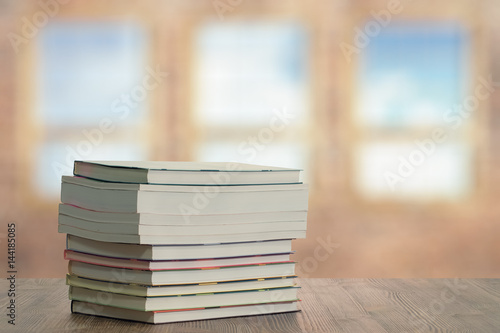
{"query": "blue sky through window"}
(411, 74)
(85, 66)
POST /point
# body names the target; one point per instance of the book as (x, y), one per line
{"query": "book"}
(177, 252)
(176, 302)
(156, 265)
(175, 239)
(183, 200)
(180, 230)
(186, 173)
(154, 278)
(162, 317)
(179, 289)
(161, 242)
(179, 219)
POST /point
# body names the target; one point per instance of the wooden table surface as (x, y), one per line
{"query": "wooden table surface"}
(328, 305)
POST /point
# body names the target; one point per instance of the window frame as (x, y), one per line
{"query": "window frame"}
(196, 133)
(31, 134)
(478, 65)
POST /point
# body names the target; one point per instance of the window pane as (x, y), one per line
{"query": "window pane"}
(404, 171)
(245, 70)
(56, 159)
(411, 74)
(85, 67)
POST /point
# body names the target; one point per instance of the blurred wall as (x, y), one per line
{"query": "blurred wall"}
(348, 235)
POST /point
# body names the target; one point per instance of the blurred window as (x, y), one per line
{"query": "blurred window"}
(91, 97)
(413, 79)
(251, 92)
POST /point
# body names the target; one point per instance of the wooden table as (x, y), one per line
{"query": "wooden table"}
(328, 305)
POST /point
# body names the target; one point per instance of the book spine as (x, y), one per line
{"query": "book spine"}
(75, 165)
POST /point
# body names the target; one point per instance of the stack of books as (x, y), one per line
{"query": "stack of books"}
(162, 242)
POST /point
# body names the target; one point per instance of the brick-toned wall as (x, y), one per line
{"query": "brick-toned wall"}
(7, 121)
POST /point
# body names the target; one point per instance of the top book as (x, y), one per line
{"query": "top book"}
(185, 173)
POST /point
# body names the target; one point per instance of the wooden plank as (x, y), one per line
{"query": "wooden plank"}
(328, 305)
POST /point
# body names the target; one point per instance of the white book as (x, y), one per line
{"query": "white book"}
(177, 252)
(186, 173)
(179, 219)
(180, 230)
(176, 302)
(174, 239)
(162, 317)
(155, 278)
(180, 289)
(155, 265)
(183, 200)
